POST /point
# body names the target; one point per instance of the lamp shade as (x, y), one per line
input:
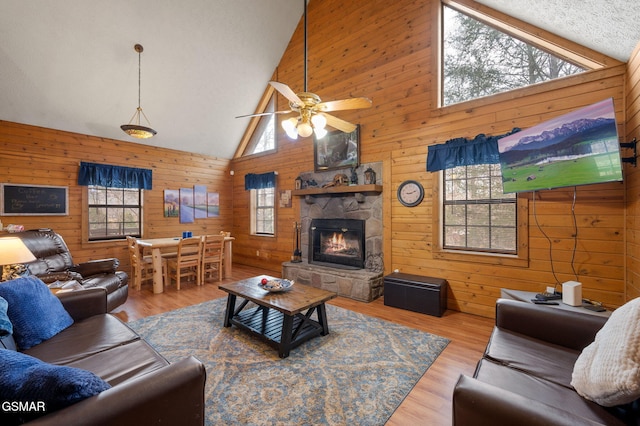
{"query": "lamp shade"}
(13, 250)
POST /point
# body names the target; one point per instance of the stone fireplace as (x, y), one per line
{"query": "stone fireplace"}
(352, 268)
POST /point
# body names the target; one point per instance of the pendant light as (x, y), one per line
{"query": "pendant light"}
(134, 129)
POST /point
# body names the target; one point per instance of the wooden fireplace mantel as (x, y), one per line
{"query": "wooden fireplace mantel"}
(356, 190)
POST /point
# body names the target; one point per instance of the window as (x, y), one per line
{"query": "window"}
(477, 216)
(264, 135)
(114, 213)
(479, 60)
(263, 211)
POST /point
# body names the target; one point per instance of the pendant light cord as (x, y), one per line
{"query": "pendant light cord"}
(305, 45)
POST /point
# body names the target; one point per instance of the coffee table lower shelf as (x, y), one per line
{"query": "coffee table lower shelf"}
(271, 325)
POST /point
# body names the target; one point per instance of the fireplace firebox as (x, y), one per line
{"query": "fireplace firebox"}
(337, 242)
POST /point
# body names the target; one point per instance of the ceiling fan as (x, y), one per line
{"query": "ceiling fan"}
(312, 112)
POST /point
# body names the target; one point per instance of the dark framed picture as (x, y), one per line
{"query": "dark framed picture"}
(337, 150)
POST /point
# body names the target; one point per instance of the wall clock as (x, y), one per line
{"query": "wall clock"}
(410, 193)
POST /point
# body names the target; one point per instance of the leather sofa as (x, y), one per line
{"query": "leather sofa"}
(145, 387)
(524, 376)
(54, 263)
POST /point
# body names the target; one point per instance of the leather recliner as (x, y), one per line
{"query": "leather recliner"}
(54, 263)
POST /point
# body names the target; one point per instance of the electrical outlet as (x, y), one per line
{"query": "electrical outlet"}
(258, 253)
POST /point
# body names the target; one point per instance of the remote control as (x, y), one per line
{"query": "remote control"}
(549, 296)
(544, 302)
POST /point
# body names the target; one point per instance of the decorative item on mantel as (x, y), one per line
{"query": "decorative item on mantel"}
(297, 253)
(369, 176)
(354, 176)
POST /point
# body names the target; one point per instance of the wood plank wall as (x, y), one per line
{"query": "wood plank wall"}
(35, 155)
(633, 179)
(385, 51)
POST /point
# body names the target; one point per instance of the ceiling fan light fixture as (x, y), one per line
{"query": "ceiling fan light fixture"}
(318, 121)
(304, 129)
(320, 133)
(134, 129)
(289, 126)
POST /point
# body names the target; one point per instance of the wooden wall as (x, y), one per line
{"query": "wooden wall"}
(35, 155)
(633, 178)
(385, 51)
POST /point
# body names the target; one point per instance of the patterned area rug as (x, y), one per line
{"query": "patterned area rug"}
(357, 375)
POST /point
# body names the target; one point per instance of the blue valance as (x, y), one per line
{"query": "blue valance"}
(464, 152)
(114, 176)
(261, 181)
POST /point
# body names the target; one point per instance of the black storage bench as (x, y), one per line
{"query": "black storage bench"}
(426, 295)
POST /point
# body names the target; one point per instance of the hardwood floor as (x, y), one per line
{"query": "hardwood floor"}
(429, 403)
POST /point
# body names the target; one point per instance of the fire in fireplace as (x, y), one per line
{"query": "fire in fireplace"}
(337, 242)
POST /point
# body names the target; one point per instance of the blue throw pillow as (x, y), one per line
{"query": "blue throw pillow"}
(5, 323)
(31, 388)
(36, 314)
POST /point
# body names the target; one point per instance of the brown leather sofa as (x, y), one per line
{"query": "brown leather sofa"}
(54, 263)
(145, 387)
(525, 373)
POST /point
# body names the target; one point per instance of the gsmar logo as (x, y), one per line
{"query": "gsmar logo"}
(23, 406)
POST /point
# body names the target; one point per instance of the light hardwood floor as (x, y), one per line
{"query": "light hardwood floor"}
(429, 403)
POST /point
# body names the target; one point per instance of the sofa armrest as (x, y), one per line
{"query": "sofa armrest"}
(85, 303)
(558, 326)
(481, 404)
(95, 267)
(173, 395)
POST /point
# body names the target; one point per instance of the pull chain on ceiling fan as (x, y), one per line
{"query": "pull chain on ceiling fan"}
(313, 117)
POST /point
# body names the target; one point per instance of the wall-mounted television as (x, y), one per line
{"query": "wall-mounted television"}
(578, 148)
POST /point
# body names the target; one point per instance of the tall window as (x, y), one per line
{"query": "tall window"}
(479, 60)
(263, 211)
(477, 215)
(114, 213)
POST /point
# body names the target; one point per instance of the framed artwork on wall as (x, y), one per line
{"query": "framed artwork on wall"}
(200, 201)
(171, 203)
(337, 150)
(213, 204)
(186, 205)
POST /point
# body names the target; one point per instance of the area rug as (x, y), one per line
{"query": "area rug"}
(357, 375)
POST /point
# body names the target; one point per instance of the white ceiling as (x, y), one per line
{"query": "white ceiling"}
(70, 64)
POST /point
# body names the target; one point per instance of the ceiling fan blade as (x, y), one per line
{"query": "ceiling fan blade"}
(352, 103)
(339, 124)
(287, 92)
(264, 113)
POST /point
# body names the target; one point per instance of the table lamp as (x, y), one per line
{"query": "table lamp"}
(13, 253)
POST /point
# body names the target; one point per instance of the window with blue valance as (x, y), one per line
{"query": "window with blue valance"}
(259, 181)
(114, 176)
(464, 152)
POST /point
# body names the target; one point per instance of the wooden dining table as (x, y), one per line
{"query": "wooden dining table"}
(158, 245)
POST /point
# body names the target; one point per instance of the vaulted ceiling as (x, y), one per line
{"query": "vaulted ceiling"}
(70, 64)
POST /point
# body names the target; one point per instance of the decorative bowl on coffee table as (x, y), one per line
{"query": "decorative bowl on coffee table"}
(276, 285)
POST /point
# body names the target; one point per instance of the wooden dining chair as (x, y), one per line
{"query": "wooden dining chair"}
(141, 265)
(140, 269)
(188, 261)
(212, 256)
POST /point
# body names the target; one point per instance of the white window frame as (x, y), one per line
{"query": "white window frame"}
(256, 207)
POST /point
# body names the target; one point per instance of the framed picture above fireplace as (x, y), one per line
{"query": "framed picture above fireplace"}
(337, 150)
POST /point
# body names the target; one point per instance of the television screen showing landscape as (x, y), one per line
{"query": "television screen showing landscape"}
(578, 148)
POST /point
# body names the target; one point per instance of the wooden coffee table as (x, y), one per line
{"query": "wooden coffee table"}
(279, 317)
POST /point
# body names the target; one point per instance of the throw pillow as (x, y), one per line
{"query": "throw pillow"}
(41, 387)
(36, 314)
(607, 371)
(5, 324)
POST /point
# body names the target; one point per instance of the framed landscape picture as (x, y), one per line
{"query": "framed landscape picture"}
(337, 150)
